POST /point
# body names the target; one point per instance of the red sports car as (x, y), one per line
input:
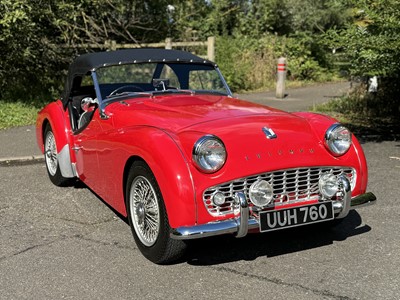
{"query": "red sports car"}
(158, 136)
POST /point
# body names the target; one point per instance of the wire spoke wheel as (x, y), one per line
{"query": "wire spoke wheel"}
(51, 158)
(50, 153)
(144, 211)
(148, 218)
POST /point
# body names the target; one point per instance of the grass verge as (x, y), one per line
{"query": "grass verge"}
(17, 114)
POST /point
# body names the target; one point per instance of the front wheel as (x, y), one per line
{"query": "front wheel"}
(148, 218)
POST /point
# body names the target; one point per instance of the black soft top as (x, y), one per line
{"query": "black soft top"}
(85, 63)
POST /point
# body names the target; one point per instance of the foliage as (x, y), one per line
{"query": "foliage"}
(380, 111)
(371, 43)
(246, 63)
(250, 63)
(38, 39)
(31, 32)
(372, 40)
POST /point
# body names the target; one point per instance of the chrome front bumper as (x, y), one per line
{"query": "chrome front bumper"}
(242, 223)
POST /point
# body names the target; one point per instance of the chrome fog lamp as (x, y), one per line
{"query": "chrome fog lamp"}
(261, 193)
(218, 199)
(328, 185)
(338, 139)
(209, 154)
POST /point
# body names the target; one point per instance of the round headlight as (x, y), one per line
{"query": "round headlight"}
(338, 139)
(218, 199)
(328, 185)
(209, 154)
(261, 193)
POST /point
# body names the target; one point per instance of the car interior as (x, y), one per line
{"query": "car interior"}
(79, 117)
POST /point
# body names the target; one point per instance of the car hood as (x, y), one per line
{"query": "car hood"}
(179, 113)
(239, 124)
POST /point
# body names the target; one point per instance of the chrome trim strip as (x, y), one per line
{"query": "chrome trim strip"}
(64, 161)
(210, 229)
(244, 215)
(363, 200)
(239, 225)
(73, 165)
(98, 95)
(229, 92)
(346, 191)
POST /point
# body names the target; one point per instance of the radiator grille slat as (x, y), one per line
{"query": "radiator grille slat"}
(289, 186)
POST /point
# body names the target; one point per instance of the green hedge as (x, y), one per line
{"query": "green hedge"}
(250, 64)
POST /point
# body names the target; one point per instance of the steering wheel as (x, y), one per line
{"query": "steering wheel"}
(127, 88)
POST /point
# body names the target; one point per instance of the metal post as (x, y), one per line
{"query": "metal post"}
(113, 45)
(281, 78)
(168, 43)
(211, 48)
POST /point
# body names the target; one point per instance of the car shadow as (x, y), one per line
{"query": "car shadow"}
(224, 249)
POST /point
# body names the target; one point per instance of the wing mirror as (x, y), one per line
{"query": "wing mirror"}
(161, 83)
(87, 103)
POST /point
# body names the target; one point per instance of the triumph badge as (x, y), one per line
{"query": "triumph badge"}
(269, 133)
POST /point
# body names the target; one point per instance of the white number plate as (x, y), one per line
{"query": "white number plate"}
(297, 216)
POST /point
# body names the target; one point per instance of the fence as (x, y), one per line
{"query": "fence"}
(168, 44)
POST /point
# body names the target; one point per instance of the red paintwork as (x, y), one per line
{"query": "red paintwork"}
(58, 118)
(162, 131)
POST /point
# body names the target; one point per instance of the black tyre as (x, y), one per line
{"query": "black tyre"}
(50, 157)
(148, 218)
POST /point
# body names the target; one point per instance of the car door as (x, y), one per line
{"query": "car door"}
(85, 148)
(85, 124)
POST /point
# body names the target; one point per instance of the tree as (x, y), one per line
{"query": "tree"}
(33, 35)
(372, 41)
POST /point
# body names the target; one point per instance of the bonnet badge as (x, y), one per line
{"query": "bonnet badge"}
(269, 133)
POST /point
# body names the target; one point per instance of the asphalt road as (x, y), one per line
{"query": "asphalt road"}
(58, 243)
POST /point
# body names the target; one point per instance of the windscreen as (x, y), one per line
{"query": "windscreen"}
(141, 77)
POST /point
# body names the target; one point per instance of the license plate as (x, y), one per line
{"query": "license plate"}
(297, 216)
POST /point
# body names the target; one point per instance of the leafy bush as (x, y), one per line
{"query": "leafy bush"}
(250, 63)
(384, 105)
(246, 63)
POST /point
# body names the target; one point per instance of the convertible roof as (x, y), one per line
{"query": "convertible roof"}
(91, 61)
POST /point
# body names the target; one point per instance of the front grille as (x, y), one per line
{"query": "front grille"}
(289, 186)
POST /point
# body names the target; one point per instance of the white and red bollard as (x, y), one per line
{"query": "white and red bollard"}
(281, 78)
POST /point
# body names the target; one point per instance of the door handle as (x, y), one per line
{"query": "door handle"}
(77, 148)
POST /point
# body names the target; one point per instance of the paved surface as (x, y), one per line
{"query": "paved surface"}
(58, 243)
(300, 99)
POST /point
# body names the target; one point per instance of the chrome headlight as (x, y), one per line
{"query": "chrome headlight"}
(261, 193)
(209, 154)
(338, 139)
(328, 185)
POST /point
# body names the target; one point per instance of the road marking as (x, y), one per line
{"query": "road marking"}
(394, 157)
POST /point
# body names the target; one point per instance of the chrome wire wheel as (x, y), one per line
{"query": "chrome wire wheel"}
(50, 153)
(144, 210)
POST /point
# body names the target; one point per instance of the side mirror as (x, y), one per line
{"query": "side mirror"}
(161, 83)
(87, 102)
